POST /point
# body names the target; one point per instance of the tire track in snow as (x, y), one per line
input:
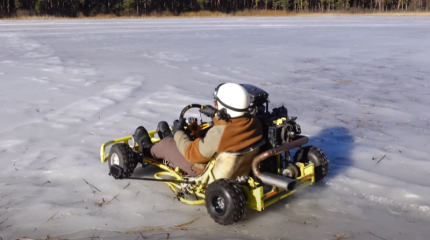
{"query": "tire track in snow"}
(214, 75)
(169, 59)
(87, 108)
(43, 73)
(77, 118)
(41, 59)
(424, 209)
(147, 110)
(30, 54)
(168, 102)
(243, 73)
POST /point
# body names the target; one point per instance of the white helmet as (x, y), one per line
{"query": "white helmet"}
(233, 97)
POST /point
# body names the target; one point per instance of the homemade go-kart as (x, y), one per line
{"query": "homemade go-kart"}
(273, 174)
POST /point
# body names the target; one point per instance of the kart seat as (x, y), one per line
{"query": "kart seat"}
(231, 165)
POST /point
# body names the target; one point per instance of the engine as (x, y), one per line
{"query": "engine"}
(277, 125)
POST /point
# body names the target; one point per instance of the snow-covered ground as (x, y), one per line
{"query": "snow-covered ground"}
(359, 86)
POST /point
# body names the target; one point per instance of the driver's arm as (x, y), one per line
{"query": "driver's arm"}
(200, 150)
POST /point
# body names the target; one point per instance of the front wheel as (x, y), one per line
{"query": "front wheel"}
(121, 154)
(311, 154)
(225, 202)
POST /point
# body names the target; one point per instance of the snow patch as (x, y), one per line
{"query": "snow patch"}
(409, 195)
(11, 143)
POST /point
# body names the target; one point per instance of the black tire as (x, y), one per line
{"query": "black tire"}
(126, 158)
(311, 154)
(225, 202)
(291, 171)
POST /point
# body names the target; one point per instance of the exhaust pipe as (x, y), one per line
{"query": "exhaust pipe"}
(273, 179)
(278, 181)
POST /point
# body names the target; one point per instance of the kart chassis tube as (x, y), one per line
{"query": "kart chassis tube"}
(273, 179)
(161, 180)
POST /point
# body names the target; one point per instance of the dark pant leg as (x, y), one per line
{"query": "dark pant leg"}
(167, 149)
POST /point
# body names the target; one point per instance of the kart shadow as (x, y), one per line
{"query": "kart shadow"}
(337, 143)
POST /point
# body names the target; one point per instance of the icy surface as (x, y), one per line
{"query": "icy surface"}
(359, 86)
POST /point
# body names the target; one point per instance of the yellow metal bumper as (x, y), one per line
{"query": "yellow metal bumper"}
(258, 200)
(104, 156)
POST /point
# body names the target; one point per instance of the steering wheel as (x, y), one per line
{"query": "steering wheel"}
(192, 124)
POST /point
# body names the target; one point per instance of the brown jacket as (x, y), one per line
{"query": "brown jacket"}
(231, 136)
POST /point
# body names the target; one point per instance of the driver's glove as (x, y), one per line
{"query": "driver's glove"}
(178, 125)
(208, 110)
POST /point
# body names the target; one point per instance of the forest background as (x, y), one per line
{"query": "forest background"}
(201, 8)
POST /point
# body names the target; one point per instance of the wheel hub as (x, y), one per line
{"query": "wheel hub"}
(218, 204)
(287, 173)
(114, 159)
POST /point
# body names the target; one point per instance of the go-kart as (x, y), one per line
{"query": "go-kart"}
(271, 174)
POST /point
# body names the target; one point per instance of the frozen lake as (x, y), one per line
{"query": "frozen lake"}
(359, 86)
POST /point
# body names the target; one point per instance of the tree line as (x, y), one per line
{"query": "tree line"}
(74, 8)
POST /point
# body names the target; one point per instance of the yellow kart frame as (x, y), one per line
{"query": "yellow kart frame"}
(257, 198)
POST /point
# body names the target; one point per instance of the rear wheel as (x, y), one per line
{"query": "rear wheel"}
(121, 154)
(311, 154)
(225, 202)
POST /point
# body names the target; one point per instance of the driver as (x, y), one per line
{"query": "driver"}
(233, 130)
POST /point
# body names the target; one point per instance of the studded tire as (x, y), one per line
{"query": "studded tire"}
(121, 154)
(311, 154)
(225, 202)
